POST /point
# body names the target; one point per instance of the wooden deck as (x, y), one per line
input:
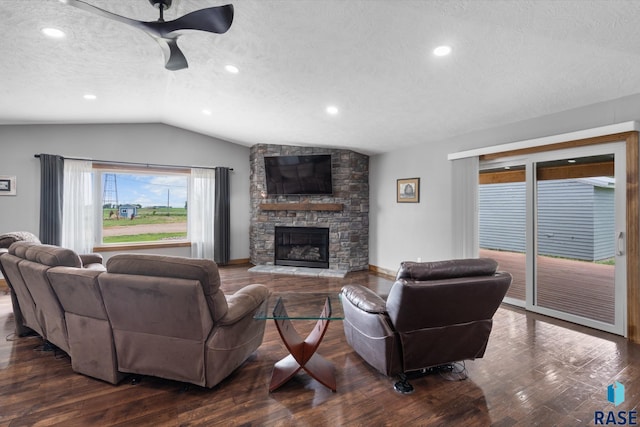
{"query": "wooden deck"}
(536, 371)
(577, 287)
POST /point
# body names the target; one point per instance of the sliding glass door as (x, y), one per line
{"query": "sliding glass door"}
(502, 209)
(561, 220)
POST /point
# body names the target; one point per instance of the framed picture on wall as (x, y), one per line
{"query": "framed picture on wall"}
(408, 190)
(7, 185)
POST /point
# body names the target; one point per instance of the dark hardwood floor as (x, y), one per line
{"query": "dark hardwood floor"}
(536, 371)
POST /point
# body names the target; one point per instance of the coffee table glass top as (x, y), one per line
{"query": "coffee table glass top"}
(300, 306)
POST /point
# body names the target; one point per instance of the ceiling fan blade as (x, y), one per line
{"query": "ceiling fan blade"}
(174, 58)
(101, 12)
(216, 19)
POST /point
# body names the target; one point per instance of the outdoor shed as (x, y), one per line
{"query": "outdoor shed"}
(127, 211)
(575, 218)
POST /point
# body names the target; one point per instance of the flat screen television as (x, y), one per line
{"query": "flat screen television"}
(301, 175)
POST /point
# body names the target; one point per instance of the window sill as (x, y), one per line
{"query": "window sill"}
(116, 247)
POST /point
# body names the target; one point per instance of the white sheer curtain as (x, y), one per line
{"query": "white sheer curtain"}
(78, 215)
(200, 212)
(465, 207)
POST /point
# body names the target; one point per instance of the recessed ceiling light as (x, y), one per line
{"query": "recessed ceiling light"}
(89, 96)
(54, 33)
(232, 69)
(206, 112)
(442, 50)
(332, 109)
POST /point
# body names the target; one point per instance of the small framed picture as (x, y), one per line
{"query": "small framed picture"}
(7, 185)
(408, 190)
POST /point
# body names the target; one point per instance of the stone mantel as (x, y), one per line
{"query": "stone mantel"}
(333, 207)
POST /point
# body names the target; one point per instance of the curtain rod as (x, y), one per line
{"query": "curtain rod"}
(149, 165)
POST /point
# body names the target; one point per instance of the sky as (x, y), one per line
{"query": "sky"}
(144, 189)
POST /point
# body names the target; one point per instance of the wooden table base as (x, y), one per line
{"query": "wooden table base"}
(303, 352)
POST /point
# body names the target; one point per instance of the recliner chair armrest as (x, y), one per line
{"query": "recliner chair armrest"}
(364, 298)
(91, 259)
(244, 302)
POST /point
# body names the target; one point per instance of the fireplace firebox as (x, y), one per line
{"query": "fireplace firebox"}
(302, 247)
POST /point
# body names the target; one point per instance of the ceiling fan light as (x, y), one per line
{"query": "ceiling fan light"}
(442, 50)
(232, 69)
(54, 33)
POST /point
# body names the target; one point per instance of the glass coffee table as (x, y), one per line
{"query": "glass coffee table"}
(283, 308)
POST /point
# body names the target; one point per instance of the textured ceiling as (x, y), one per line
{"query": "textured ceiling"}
(512, 60)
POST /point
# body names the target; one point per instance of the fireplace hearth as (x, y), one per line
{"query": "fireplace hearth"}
(302, 247)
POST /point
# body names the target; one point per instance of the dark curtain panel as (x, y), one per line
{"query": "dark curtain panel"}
(51, 189)
(221, 219)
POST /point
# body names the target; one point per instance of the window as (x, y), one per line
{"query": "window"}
(142, 205)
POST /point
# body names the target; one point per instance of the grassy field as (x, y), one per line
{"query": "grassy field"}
(145, 216)
(145, 237)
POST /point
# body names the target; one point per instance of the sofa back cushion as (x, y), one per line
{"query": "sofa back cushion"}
(202, 270)
(438, 270)
(53, 256)
(19, 249)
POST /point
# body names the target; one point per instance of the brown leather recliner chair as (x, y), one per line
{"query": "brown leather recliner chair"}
(437, 313)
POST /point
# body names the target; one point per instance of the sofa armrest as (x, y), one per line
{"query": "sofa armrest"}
(364, 298)
(244, 302)
(91, 259)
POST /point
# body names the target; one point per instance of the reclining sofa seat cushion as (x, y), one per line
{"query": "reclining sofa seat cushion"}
(90, 335)
(10, 264)
(20, 328)
(160, 320)
(171, 320)
(443, 311)
(38, 259)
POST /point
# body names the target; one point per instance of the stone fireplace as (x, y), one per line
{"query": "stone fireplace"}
(344, 214)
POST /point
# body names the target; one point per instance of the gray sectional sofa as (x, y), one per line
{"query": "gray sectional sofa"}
(142, 314)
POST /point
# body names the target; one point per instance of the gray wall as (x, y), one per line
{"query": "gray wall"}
(397, 231)
(145, 143)
(407, 231)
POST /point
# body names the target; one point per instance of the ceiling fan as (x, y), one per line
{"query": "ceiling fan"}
(213, 19)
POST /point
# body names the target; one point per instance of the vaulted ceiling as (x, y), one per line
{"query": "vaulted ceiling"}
(511, 60)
